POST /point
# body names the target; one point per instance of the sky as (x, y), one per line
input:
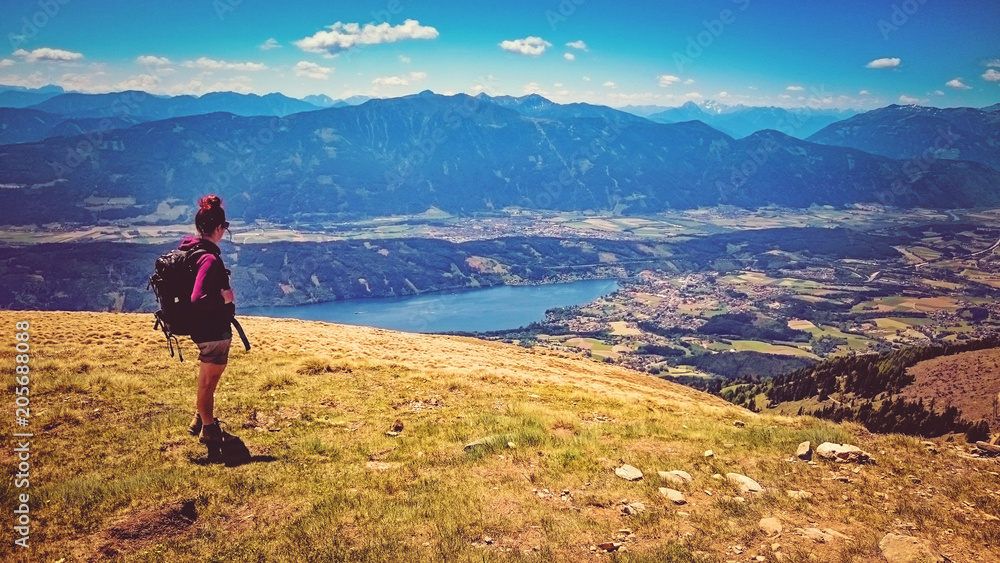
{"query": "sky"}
(858, 54)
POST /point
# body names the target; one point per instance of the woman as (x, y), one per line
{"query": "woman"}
(214, 305)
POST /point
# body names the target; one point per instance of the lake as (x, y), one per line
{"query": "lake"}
(479, 310)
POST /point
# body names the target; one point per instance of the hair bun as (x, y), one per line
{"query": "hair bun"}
(210, 202)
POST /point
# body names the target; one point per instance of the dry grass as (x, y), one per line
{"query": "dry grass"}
(314, 401)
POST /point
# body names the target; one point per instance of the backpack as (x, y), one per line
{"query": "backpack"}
(172, 283)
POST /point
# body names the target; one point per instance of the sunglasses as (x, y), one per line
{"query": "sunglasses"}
(225, 225)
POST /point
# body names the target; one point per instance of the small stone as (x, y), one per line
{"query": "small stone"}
(673, 496)
(677, 477)
(843, 453)
(625, 532)
(511, 445)
(837, 535)
(610, 546)
(771, 526)
(634, 508)
(628, 473)
(739, 424)
(800, 495)
(761, 558)
(804, 451)
(816, 535)
(907, 549)
(744, 483)
(709, 453)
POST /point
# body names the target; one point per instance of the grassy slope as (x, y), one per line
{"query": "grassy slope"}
(314, 402)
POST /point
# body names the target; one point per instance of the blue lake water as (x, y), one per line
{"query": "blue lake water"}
(494, 308)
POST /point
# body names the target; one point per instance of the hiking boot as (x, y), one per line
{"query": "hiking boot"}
(195, 427)
(213, 436)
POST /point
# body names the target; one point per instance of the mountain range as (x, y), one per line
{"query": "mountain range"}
(924, 134)
(459, 153)
(740, 121)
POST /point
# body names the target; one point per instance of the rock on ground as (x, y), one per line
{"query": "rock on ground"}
(771, 526)
(673, 496)
(744, 483)
(628, 473)
(907, 549)
(677, 477)
(804, 451)
(843, 453)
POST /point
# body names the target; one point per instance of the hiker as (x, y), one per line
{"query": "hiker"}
(213, 302)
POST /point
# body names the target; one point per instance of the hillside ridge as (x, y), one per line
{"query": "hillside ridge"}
(496, 453)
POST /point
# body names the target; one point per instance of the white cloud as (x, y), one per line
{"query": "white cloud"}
(864, 93)
(533, 88)
(307, 69)
(531, 45)
(993, 62)
(991, 75)
(240, 84)
(938, 92)
(907, 100)
(140, 82)
(6, 63)
(722, 95)
(795, 88)
(83, 82)
(692, 96)
(47, 54)
(205, 63)
(577, 45)
(151, 60)
(271, 43)
(689, 82)
(586, 79)
(404, 80)
(404, 59)
(957, 84)
(667, 79)
(884, 63)
(610, 84)
(784, 97)
(569, 56)
(343, 36)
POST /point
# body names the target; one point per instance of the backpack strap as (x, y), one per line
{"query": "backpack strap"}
(166, 333)
(243, 335)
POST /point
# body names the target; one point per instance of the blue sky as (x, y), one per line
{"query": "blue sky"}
(844, 53)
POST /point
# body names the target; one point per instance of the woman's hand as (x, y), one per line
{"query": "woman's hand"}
(228, 296)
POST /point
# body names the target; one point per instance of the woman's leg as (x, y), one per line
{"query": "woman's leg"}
(209, 375)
